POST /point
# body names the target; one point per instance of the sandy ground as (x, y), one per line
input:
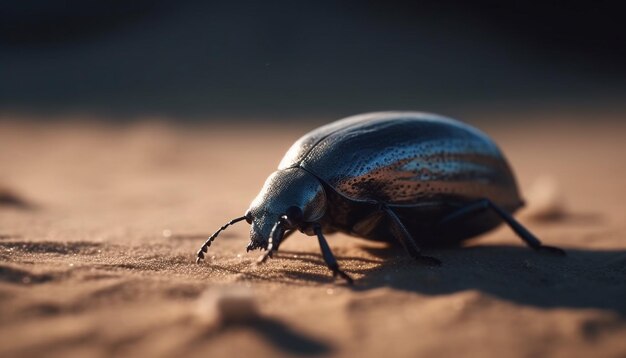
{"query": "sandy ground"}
(99, 225)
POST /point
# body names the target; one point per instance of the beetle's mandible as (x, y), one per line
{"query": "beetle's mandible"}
(419, 179)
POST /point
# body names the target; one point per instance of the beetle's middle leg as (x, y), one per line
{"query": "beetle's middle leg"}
(329, 258)
(486, 204)
(406, 239)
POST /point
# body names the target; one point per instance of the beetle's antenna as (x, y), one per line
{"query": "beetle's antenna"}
(206, 245)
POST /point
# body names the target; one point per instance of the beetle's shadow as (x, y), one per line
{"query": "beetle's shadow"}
(583, 279)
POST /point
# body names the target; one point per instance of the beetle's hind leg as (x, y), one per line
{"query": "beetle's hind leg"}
(486, 204)
(406, 239)
(329, 258)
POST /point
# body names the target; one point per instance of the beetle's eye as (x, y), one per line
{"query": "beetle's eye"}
(248, 217)
(294, 214)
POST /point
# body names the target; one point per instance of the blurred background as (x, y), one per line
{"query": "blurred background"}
(131, 130)
(197, 60)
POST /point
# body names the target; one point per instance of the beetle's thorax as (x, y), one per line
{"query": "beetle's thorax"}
(282, 190)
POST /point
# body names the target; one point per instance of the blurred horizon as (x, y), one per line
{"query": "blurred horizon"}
(193, 59)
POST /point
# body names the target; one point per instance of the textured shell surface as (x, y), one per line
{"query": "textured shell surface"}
(405, 159)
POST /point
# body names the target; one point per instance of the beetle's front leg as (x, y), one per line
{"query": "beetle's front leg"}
(273, 245)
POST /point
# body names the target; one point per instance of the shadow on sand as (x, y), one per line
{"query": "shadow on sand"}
(275, 332)
(583, 279)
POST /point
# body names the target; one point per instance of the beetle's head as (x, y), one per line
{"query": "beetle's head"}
(291, 194)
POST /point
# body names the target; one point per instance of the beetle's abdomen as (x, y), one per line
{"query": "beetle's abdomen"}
(409, 158)
(426, 172)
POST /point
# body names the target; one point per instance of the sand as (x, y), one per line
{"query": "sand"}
(99, 224)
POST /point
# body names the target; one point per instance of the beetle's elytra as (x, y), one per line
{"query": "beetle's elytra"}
(416, 178)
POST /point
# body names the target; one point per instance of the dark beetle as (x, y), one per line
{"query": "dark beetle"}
(421, 179)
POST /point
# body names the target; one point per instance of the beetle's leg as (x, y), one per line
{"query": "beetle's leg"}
(485, 204)
(276, 235)
(274, 243)
(283, 239)
(273, 246)
(206, 245)
(406, 239)
(329, 258)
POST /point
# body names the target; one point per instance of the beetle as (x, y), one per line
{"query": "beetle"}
(419, 179)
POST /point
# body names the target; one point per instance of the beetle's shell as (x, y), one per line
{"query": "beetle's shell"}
(406, 159)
